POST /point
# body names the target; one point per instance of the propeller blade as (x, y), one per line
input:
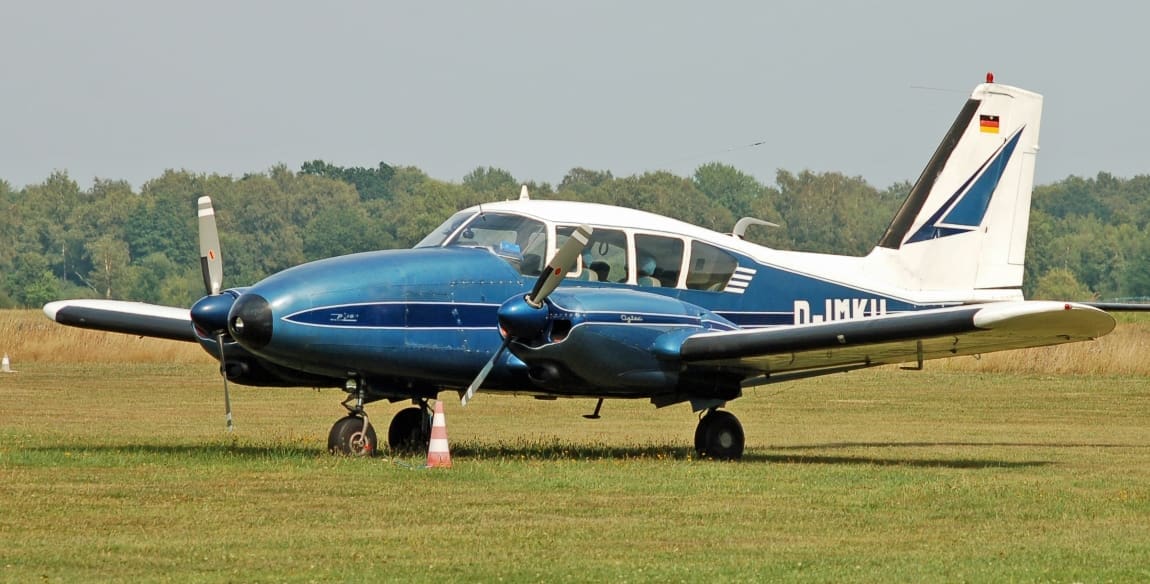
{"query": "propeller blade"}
(211, 265)
(563, 262)
(224, 374)
(483, 374)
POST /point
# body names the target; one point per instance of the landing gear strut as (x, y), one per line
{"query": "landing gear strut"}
(353, 434)
(719, 436)
(410, 429)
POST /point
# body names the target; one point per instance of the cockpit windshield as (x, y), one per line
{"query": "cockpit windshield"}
(519, 240)
(445, 229)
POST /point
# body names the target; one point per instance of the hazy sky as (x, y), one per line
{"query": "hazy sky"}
(124, 90)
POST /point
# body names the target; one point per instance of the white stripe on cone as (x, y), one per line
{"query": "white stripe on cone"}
(438, 453)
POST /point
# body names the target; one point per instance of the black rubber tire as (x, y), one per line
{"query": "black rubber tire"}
(719, 436)
(348, 438)
(410, 431)
(701, 437)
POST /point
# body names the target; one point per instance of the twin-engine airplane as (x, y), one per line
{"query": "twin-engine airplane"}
(563, 299)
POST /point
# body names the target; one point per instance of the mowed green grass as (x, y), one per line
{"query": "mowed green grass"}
(123, 472)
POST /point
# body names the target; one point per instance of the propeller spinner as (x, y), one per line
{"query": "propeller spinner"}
(523, 317)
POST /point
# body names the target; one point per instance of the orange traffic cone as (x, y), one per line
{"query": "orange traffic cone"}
(438, 454)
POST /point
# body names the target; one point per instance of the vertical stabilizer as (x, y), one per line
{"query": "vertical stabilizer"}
(963, 226)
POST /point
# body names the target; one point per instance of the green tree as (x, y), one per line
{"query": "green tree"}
(151, 272)
(10, 220)
(426, 206)
(31, 282)
(257, 235)
(492, 182)
(112, 274)
(1060, 284)
(1071, 196)
(338, 231)
(1040, 254)
(663, 193)
(1136, 278)
(729, 187)
(370, 183)
(46, 228)
(832, 213)
(580, 180)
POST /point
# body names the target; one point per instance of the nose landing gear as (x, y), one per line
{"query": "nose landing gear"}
(353, 435)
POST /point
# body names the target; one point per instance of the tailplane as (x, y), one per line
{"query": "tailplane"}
(963, 226)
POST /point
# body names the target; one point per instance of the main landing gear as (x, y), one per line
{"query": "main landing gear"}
(410, 429)
(353, 435)
(719, 436)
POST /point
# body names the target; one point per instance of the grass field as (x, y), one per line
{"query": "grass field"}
(120, 470)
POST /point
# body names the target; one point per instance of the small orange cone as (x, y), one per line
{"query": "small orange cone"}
(438, 454)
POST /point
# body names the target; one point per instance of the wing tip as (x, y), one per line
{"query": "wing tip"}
(52, 308)
(1087, 320)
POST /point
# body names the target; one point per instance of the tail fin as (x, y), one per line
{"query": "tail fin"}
(963, 226)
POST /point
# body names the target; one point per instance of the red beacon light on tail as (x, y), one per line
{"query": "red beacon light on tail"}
(990, 77)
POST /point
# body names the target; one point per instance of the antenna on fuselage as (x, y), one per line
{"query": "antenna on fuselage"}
(523, 195)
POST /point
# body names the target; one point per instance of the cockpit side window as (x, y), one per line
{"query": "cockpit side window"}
(604, 258)
(710, 267)
(445, 229)
(519, 240)
(658, 260)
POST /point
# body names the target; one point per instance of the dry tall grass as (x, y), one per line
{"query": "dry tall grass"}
(26, 335)
(1126, 351)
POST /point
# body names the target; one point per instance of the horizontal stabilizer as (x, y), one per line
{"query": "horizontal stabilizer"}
(133, 318)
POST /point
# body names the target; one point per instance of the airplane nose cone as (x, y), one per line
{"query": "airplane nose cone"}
(250, 321)
(210, 313)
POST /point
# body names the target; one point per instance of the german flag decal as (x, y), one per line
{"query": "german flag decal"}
(988, 124)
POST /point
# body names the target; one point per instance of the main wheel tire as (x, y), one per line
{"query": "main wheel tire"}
(348, 437)
(719, 436)
(410, 431)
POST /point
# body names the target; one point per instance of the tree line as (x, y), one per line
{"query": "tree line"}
(1088, 236)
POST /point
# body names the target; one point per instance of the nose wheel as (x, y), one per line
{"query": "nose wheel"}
(352, 436)
(719, 436)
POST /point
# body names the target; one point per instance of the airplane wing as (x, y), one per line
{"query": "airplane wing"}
(134, 318)
(898, 338)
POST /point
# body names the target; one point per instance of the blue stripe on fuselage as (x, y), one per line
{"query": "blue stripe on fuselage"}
(453, 315)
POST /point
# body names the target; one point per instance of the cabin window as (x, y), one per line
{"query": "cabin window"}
(517, 239)
(445, 229)
(604, 258)
(710, 267)
(658, 260)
